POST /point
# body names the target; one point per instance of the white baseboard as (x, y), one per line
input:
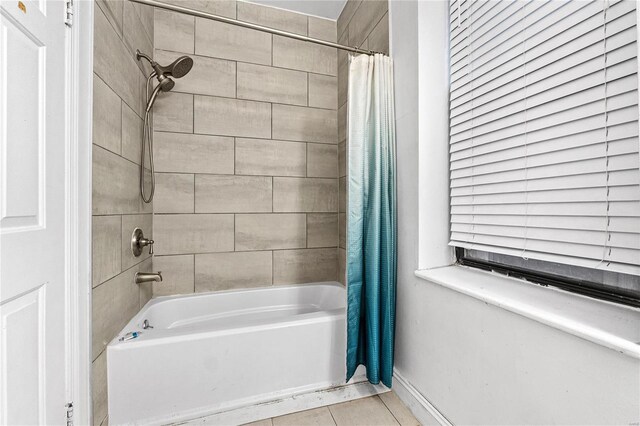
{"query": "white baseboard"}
(424, 411)
(292, 404)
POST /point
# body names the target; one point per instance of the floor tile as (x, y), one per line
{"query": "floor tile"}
(317, 417)
(398, 409)
(265, 422)
(363, 412)
(380, 410)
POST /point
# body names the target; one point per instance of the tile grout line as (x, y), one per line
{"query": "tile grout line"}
(135, 65)
(331, 413)
(389, 409)
(218, 58)
(120, 273)
(173, 132)
(306, 230)
(195, 21)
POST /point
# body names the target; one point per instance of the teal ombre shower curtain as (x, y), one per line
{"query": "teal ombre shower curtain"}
(371, 218)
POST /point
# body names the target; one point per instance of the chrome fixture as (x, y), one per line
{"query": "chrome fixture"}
(146, 325)
(177, 69)
(138, 242)
(148, 277)
(205, 15)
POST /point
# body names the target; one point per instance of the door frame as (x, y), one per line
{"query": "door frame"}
(78, 184)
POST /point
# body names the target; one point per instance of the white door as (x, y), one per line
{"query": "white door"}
(33, 300)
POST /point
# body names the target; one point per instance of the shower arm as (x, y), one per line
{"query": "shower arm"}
(139, 55)
(154, 72)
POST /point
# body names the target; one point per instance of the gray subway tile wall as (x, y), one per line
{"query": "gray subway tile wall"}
(231, 117)
(217, 7)
(322, 160)
(107, 117)
(269, 84)
(114, 191)
(227, 41)
(323, 91)
(273, 18)
(270, 157)
(270, 231)
(119, 28)
(190, 153)
(174, 31)
(193, 233)
(323, 29)
(322, 230)
(300, 55)
(131, 134)
(106, 250)
(296, 123)
(99, 389)
(365, 19)
(174, 193)
(255, 171)
(177, 273)
(309, 195)
(233, 194)
(226, 271)
(301, 266)
(175, 113)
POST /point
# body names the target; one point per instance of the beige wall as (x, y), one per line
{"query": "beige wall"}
(246, 152)
(120, 27)
(362, 24)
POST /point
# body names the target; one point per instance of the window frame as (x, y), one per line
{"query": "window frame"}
(573, 285)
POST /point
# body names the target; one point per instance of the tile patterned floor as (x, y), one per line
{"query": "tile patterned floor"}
(381, 410)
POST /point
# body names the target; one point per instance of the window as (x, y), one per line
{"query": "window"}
(544, 148)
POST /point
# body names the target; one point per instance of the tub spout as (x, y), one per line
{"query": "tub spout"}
(146, 277)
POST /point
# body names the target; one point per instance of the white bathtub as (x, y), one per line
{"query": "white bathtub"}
(213, 352)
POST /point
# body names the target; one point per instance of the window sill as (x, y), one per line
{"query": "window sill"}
(614, 326)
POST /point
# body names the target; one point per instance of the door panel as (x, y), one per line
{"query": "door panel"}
(33, 152)
(23, 358)
(23, 59)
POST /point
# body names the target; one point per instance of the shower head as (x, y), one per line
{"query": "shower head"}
(165, 83)
(178, 68)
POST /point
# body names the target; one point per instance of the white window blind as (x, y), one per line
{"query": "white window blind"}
(544, 148)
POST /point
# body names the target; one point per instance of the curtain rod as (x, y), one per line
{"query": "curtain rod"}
(257, 27)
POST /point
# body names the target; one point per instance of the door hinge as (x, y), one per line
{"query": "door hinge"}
(69, 19)
(69, 413)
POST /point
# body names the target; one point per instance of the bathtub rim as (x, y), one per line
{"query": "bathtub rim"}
(163, 299)
(163, 336)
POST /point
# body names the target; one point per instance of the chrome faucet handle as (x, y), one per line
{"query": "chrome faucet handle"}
(143, 242)
(138, 242)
